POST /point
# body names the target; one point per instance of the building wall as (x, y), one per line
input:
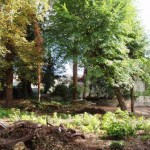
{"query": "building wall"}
(141, 100)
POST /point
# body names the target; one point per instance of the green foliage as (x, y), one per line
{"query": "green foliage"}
(117, 145)
(145, 137)
(65, 92)
(101, 88)
(86, 123)
(61, 90)
(143, 124)
(48, 71)
(118, 125)
(17, 47)
(4, 113)
(15, 115)
(107, 38)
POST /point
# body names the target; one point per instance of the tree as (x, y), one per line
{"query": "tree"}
(101, 31)
(26, 71)
(137, 46)
(26, 75)
(60, 35)
(15, 16)
(48, 71)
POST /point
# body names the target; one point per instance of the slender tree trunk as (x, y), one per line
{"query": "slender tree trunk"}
(75, 76)
(85, 83)
(9, 86)
(9, 74)
(132, 99)
(39, 42)
(120, 99)
(90, 87)
(39, 82)
(25, 90)
(2, 90)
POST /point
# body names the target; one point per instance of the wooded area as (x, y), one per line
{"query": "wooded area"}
(104, 38)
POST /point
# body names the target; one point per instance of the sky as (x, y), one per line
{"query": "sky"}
(144, 13)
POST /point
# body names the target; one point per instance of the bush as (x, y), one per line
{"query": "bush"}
(65, 92)
(118, 125)
(61, 90)
(4, 113)
(119, 145)
(120, 129)
(145, 137)
(142, 124)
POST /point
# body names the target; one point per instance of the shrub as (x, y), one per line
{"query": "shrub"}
(61, 90)
(4, 113)
(118, 125)
(120, 129)
(145, 137)
(142, 124)
(118, 145)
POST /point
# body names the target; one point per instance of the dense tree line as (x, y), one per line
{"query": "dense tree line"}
(104, 36)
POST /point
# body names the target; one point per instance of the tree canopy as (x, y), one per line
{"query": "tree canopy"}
(15, 17)
(105, 35)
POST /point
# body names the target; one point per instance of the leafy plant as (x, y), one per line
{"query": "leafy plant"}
(145, 137)
(86, 122)
(117, 145)
(61, 90)
(142, 124)
(118, 125)
(115, 125)
(3, 113)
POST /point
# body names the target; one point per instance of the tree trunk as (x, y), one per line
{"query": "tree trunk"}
(90, 87)
(85, 83)
(39, 82)
(2, 90)
(75, 95)
(132, 99)
(25, 90)
(39, 42)
(120, 99)
(9, 75)
(9, 86)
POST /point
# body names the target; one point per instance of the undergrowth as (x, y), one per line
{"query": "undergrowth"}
(117, 125)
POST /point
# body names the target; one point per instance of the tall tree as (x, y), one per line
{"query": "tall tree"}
(101, 31)
(61, 36)
(15, 16)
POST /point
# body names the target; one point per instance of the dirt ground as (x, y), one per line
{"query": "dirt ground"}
(77, 108)
(144, 111)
